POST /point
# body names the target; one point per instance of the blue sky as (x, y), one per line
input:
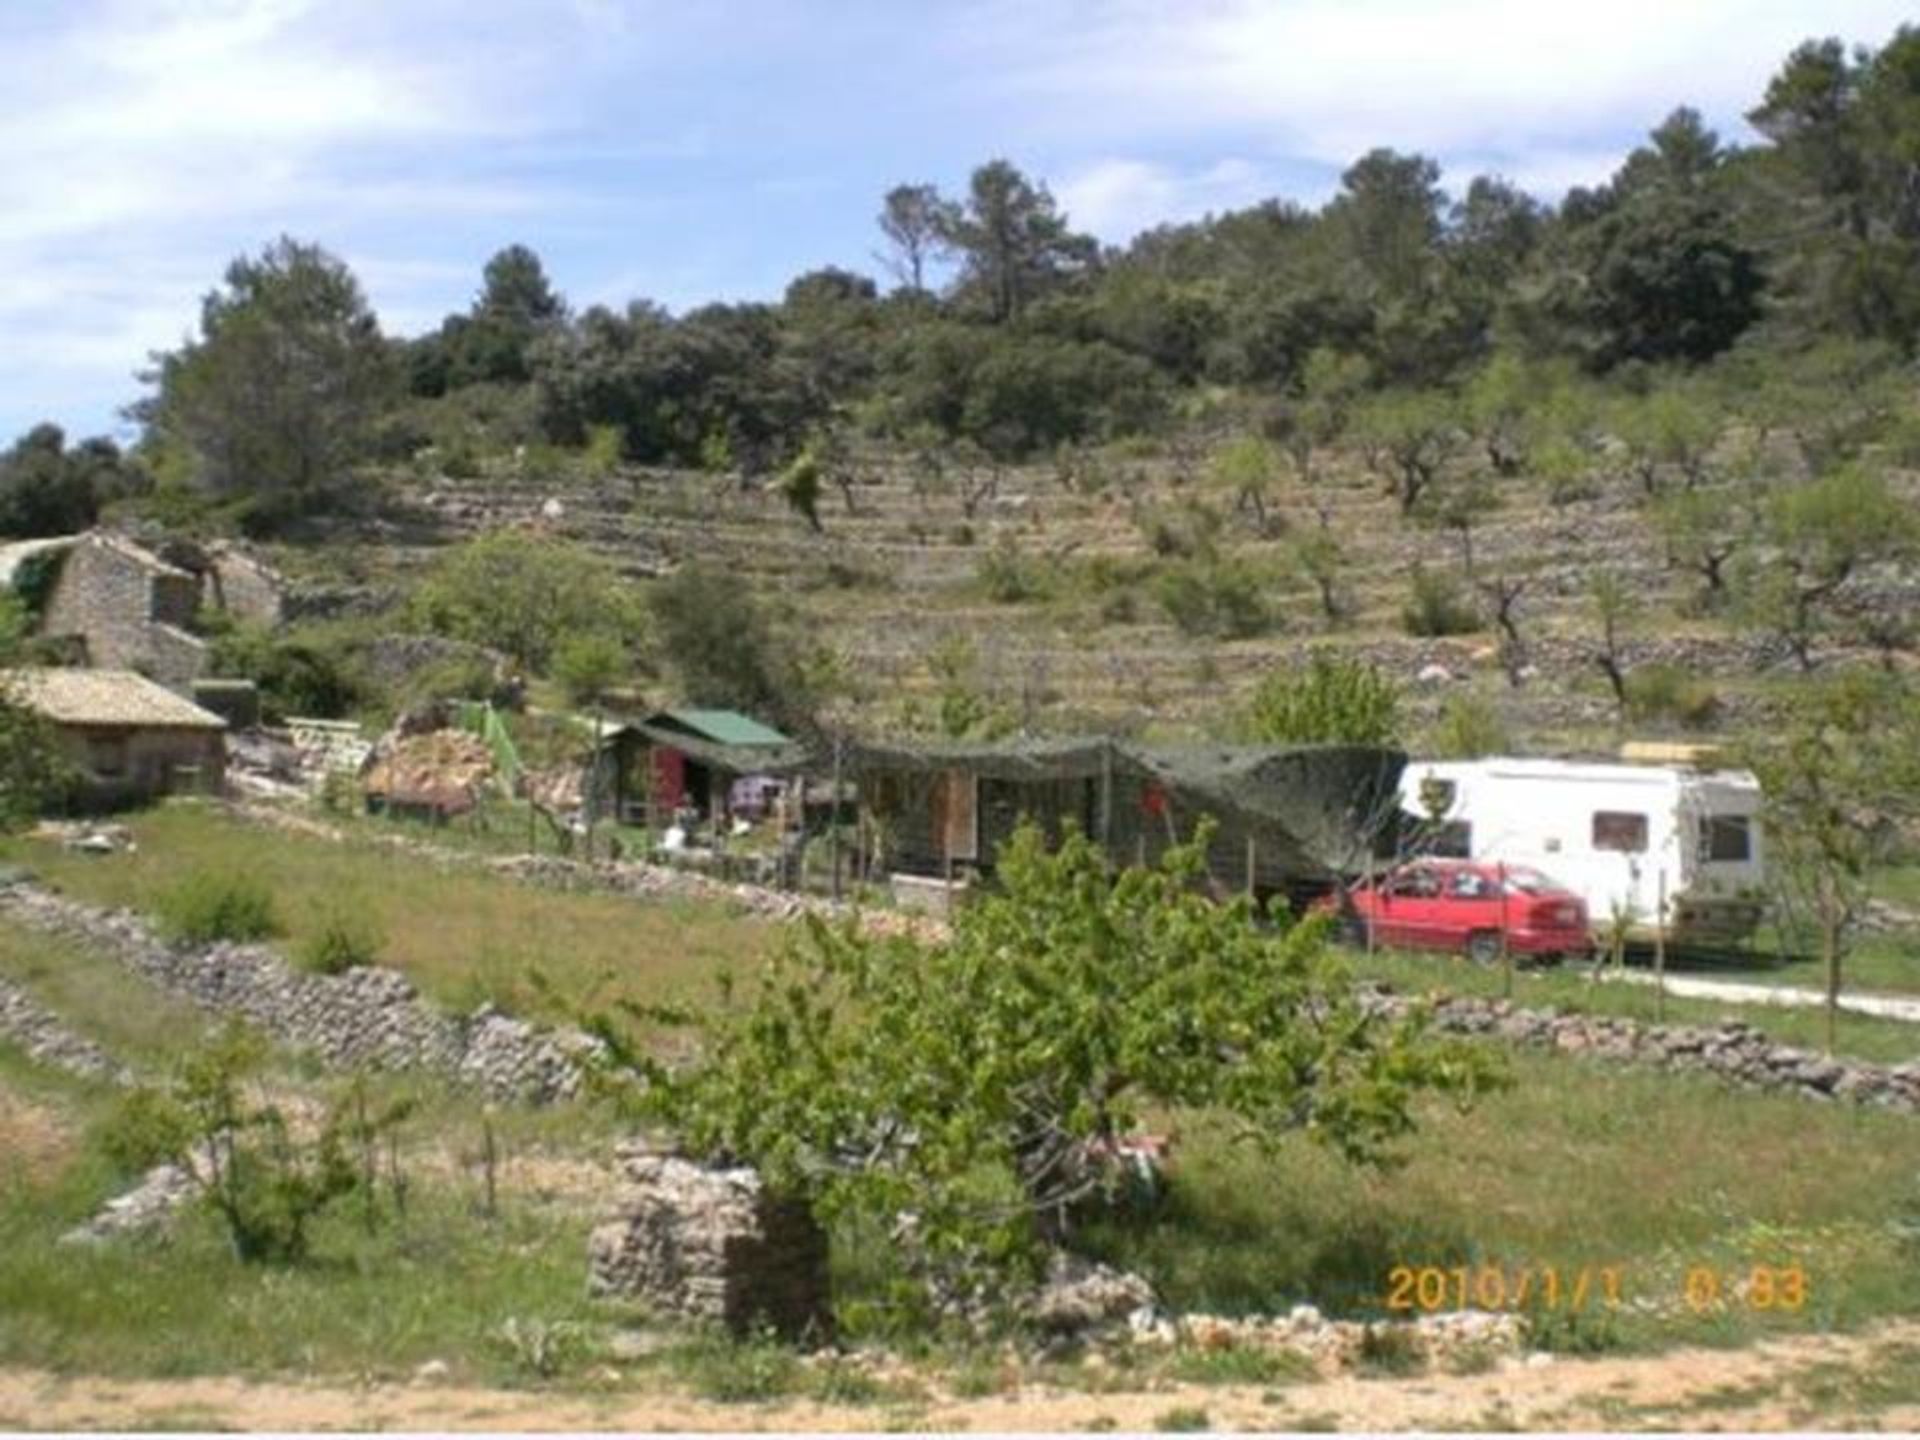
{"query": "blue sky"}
(712, 149)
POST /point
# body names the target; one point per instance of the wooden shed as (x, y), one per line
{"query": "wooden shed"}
(676, 760)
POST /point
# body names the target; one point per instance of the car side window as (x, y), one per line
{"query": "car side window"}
(1470, 885)
(1415, 885)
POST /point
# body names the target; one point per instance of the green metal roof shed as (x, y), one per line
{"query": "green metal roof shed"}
(722, 727)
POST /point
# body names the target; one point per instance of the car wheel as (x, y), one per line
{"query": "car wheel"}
(1483, 947)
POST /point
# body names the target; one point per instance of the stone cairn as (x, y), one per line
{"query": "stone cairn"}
(710, 1244)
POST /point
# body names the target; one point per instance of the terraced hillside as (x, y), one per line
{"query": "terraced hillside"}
(1043, 588)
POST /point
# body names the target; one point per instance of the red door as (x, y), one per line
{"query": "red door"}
(1472, 905)
(669, 769)
(1405, 907)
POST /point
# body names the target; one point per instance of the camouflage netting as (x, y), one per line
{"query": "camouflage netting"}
(1287, 819)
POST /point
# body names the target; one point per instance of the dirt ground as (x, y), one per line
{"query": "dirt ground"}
(32, 1138)
(1801, 1382)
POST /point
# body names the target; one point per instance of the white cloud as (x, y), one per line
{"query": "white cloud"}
(147, 144)
(1117, 198)
(1326, 80)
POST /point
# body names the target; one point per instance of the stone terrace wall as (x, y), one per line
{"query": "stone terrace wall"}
(1730, 1050)
(46, 1039)
(366, 1017)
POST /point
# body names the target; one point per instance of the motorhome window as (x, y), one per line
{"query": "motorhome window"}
(1726, 837)
(1619, 830)
(1452, 839)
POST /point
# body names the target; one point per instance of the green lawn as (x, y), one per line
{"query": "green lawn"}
(1579, 1164)
(463, 936)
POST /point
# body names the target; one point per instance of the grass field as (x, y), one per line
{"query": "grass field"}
(1576, 1166)
(1579, 1166)
(461, 935)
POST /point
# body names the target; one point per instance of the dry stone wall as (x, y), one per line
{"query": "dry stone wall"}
(710, 1244)
(1730, 1050)
(45, 1038)
(369, 1017)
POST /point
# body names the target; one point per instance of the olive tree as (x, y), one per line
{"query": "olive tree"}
(1839, 778)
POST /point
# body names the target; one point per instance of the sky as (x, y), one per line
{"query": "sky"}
(687, 152)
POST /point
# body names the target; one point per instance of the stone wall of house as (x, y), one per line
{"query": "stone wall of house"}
(371, 1016)
(243, 587)
(124, 765)
(703, 1243)
(129, 611)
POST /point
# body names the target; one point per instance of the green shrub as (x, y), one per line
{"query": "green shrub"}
(1389, 1350)
(740, 1372)
(307, 672)
(207, 906)
(1183, 1418)
(1009, 576)
(1469, 727)
(264, 1182)
(344, 940)
(1331, 700)
(1220, 598)
(1668, 692)
(602, 453)
(1437, 605)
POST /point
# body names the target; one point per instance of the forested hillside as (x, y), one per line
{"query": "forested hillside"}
(1634, 461)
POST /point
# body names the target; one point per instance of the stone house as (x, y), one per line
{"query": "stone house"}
(124, 608)
(127, 738)
(115, 605)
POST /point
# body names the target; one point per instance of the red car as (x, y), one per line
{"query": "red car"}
(1464, 905)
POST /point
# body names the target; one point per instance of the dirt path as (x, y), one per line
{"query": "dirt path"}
(1888, 1007)
(1822, 1382)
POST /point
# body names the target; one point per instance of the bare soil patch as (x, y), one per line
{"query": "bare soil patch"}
(33, 1137)
(1797, 1382)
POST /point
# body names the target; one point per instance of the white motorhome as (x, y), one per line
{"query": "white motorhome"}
(1617, 835)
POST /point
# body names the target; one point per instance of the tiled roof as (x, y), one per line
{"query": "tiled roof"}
(104, 697)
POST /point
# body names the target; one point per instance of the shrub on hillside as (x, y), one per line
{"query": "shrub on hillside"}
(1438, 605)
(344, 941)
(1661, 692)
(207, 906)
(1214, 597)
(1332, 700)
(1008, 575)
(1469, 727)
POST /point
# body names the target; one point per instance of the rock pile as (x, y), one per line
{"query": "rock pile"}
(365, 1017)
(1731, 1050)
(709, 1244)
(1304, 1331)
(141, 1211)
(47, 1039)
